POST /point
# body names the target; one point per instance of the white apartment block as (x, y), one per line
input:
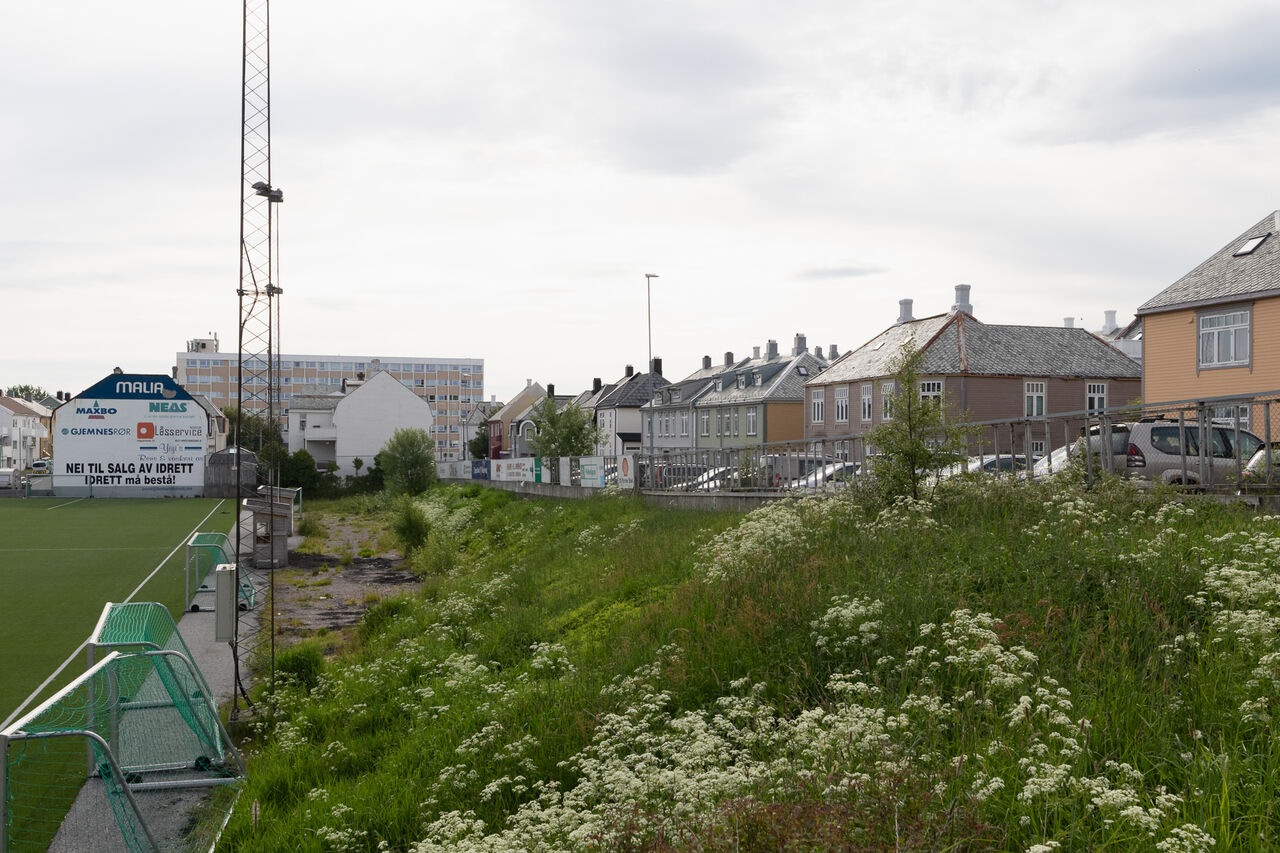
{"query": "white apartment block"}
(452, 386)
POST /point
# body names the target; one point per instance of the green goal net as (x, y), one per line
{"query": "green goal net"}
(136, 738)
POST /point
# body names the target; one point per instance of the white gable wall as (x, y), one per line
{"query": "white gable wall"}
(368, 416)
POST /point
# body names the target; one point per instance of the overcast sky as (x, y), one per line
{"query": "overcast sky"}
(492, 179)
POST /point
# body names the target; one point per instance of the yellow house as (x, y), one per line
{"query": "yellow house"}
(1216, 331)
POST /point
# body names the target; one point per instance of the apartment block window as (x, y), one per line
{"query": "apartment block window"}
(719, 422)
(887, 390)
(751, 420)
(1095, 396)
(742, 380)
(842, 404)
(866, 403)
(817, 399)
(706, 423)
(735, 421)
(1034, 394)
(1224, 338)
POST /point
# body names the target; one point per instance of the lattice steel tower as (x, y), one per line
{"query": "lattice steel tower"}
(258, 393)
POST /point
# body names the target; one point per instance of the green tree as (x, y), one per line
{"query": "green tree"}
(478, 447)
(298, 470)
(27, 392)
(565, 432)
(917, 441)
(408, 462)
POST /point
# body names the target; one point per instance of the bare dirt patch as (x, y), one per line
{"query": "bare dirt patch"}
(337, 576)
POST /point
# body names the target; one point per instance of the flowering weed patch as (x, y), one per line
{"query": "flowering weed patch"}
(1011, 667)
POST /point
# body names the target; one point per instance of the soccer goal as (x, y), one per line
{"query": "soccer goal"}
(149, 729)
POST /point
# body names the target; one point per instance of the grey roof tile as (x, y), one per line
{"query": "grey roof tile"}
(960, 344)
(1224, 276)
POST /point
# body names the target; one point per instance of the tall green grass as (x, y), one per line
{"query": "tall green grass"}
(1007, 667)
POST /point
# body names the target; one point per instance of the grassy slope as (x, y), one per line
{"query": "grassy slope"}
(60, 562)
(1116, 616)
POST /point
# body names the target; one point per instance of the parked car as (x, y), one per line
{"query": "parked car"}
(831, 475)
(1003, 464)
(1161, 451)
(1255, 474)
(1168, 453)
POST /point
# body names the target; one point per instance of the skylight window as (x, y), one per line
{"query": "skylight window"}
(1250, 245)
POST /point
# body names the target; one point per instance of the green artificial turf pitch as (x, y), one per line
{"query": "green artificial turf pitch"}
(63, 559)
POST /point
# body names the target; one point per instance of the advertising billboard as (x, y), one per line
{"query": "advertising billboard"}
(131, 435)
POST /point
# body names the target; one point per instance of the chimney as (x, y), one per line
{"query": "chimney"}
(962, 299)
(904, 311)
(773, 350)
(706, 362)
(833, 353)
(596, 385)
(656, 366)
(801, 345)
(1069, 322)
(728, 359)
(1109, 324)
(630, 371)
(755, 352)
(817, 350)
(528, 383)
(551, 390)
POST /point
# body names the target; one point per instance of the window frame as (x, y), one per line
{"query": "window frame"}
(1034, 390)
(817, 405)
(887, 392)
(841, 403)
(1217, 333)
(868, 401)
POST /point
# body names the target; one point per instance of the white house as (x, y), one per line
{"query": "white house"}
(21, 433)
(341, 429)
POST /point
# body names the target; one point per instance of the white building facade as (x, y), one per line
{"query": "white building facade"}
(341, 429)
(21, 434)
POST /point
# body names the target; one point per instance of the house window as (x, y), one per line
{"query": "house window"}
(742, 380)
(1037, 448)
(1095, 396)
(1224, 338)
(817, 399)
(751, 421)
(866, 403)
(706, 423)
(1034, 393)
(931, 390)
(684, 423)
(842, 404)
(887, 390)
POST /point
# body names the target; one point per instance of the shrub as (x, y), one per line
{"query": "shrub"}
(303, 662)
(410, 525)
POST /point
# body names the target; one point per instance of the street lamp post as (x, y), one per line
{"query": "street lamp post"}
(648, 294)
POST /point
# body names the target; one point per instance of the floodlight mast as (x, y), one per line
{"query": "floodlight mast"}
(257, 382)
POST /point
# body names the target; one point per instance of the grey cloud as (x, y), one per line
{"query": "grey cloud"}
(1189, 82)
(840, 272)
